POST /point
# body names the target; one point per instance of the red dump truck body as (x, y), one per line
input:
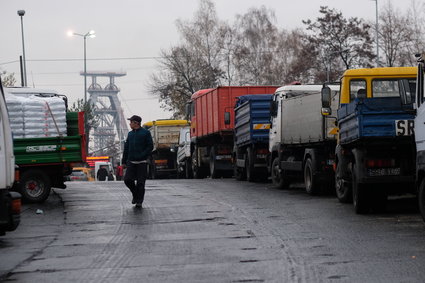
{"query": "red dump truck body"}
(211, 106)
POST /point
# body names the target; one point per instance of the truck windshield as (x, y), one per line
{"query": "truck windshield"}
(404, 88)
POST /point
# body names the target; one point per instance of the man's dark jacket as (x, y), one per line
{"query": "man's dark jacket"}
(138, 145)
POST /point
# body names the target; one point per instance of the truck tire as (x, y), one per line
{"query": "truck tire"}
(151, 169)
(421, 198)
(213, 168)
(188, 169)
(239, 173)
(196, 168)
(249, 165)
(278, 176)
(312, 187)
(34, 186)
(342, 188)
(360, 196)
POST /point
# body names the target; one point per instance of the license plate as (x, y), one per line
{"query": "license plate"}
(384, 172)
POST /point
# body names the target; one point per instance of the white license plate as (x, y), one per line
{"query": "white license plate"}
(384, 172)
(404, 127)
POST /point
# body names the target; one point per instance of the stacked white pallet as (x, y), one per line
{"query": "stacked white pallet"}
(16, 118)
(38, 116)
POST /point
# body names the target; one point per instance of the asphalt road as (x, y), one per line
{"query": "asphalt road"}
(210, 231)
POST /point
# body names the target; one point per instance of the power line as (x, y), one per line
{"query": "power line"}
(89, 59)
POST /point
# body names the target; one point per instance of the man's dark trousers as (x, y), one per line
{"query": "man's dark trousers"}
(135, 178)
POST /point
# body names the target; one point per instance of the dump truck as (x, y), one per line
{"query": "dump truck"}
(302, 143)
(251, 146)
(47, 140)
(212, 117)
(165, 135)
(375, 153)
(10, 202)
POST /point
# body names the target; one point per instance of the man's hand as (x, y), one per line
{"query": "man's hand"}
(124, 166)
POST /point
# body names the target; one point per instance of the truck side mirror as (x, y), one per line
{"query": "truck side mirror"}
(420, 81)
(227, 118)
(273, 108)
(326, 101)
(187, 110)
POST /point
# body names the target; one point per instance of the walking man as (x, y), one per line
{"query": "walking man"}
(137, 148)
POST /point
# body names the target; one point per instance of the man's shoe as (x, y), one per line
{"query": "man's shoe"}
(139, 205)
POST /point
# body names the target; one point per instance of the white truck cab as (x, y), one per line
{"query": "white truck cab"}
(183, 153)
(10, 202)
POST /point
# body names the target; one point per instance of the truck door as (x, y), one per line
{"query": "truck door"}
(3, 158)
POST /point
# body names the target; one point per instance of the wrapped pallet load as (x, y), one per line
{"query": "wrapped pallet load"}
(36, 117)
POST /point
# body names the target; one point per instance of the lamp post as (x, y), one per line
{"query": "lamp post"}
(89, 34)
(21, 13)
(376, 27)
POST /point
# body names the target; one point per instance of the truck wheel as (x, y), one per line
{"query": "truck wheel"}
(421, 198)
(342, 189)
(360, 197)
(151, 169)
(196, 169)
(311, 184)
(213, 169)
(35, 186)
(188, 169)
(249, 165)
(277, 176)
(239, 173)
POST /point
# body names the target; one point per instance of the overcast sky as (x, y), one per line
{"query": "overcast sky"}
(126, 29)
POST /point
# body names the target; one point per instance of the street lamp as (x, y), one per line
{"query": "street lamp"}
(21, 13)
(90, 34)
(376, 27)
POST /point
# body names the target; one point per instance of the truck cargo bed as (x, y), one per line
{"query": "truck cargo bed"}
(371, 117)
(252, 119)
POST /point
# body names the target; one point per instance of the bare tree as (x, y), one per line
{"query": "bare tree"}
(257, 41)
(333, 37)
(395, 36)
(8, 79)
(194, 64)
(417, 25)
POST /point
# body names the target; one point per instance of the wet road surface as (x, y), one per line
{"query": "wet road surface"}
(211, 231)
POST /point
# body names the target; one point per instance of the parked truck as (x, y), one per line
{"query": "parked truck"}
(251, 146)
(165, 135)
(302, 141)
(47, 144)
(375, 154)
(10, 202)
(183, 154)
(211, 112)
